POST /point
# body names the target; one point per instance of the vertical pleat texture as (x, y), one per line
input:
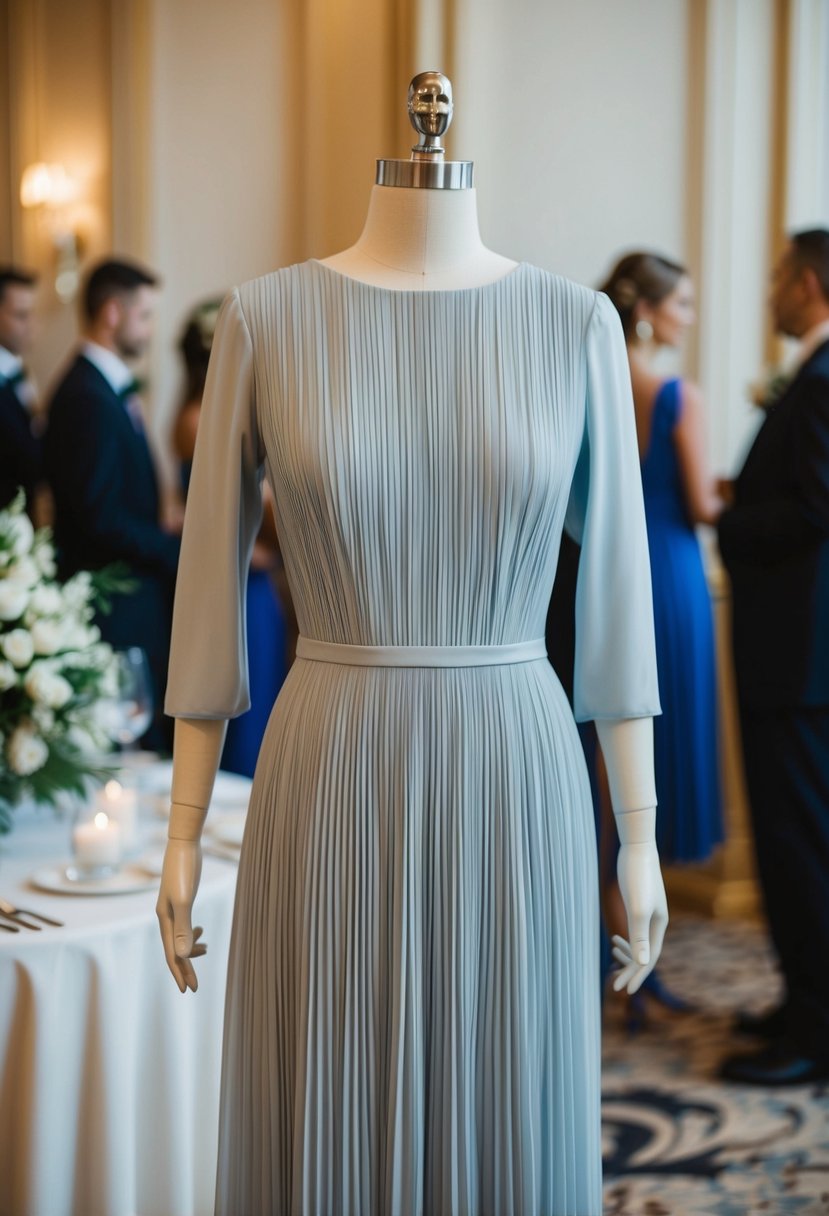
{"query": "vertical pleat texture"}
(421, 447)
(412, 1009)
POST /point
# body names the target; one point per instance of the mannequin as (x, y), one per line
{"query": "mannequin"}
(412, 1013)
(424, 239)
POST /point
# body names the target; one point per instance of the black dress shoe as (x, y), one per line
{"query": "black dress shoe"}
(770, 1025)
(779, 1064)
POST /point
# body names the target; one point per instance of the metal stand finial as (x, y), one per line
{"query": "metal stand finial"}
(431, 108)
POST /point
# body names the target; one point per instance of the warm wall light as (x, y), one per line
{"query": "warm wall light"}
(49, 189)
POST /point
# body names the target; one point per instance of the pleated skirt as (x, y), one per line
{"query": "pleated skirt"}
(412, 1020)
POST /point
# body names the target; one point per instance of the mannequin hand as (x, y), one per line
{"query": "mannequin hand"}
(180, 876)
(640, 883)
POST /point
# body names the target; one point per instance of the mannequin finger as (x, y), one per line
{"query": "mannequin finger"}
(618, 940)
(189, 974)
(182, 930)
(623, 978)
(659, 925)
(638, 980)
(622, 956)
(165, 925)
(198, 948)
(173, 961)
(640, 943)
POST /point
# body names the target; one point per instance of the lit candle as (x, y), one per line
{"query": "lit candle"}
(97, 845)
(121, 805)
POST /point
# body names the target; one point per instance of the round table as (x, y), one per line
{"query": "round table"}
(109, 1077)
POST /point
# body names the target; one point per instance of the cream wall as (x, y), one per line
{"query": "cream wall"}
(575, 116)
(219, 201)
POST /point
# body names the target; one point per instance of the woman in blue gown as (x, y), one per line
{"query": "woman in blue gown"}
(265, 618)
(655, 301)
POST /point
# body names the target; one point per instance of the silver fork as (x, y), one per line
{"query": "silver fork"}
(12, 913)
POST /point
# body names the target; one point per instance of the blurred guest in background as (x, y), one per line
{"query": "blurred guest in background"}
(264, 615)
(774, 540)
(21, 458)
(655, 301)
(101, 470)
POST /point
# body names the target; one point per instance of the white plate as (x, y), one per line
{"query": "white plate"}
(125, 881)
(228, 829)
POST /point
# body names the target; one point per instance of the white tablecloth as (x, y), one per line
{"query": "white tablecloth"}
(109, 1077)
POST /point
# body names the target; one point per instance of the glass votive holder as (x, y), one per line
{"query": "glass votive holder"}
(96, 846)
(118, 800)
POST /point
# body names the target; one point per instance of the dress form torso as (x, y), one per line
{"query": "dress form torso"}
(417, 239)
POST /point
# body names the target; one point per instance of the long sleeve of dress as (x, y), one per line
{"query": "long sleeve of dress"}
(615, 660)
(208, 676)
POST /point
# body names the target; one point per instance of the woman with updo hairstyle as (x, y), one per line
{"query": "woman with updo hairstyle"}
(265, 618)
(655, 301)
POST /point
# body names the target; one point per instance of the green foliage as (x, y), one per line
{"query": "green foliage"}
(112, 580)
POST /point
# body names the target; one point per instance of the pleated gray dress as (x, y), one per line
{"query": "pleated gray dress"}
(412, 1020)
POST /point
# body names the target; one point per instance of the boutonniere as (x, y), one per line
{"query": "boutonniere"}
(766, 392)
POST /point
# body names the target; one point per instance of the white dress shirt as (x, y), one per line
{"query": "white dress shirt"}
(10, 364)
(811, 340)
(111, 366)
(25, 390)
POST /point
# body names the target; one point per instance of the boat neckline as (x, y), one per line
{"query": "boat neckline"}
(416, 291)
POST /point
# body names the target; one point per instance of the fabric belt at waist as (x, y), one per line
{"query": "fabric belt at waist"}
(421, 656)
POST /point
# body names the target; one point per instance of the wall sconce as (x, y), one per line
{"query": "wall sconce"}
(49, 191)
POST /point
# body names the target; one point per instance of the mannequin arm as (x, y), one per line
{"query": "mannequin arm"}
(197, 750)
(627, 748)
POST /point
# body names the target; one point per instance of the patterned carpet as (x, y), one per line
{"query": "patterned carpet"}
(679, 1142)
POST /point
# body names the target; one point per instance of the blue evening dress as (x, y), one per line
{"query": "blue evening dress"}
(689, 822)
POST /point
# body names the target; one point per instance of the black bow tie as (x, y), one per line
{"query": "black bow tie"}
(130, 390)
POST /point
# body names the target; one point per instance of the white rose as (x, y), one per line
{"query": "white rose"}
(106, 716)
(45, 558)
(77, 590)
(26, 751)
(81, 637)
(18, 647)
(21, 534)
(84, 741)
(46, 601)
(44, 719)
(13, 600)
(47, 687)
(24, 572)
(8, 679)
(47, 636)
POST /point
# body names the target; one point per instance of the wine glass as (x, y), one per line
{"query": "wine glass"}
(134, 701)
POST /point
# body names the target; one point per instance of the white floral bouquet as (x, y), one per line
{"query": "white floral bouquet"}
(58, 680)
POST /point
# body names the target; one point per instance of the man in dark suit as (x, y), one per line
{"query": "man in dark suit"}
(21, 458)
(774, 540)
(101, 470)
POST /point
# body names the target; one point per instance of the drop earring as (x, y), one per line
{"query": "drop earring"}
(644, 331)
